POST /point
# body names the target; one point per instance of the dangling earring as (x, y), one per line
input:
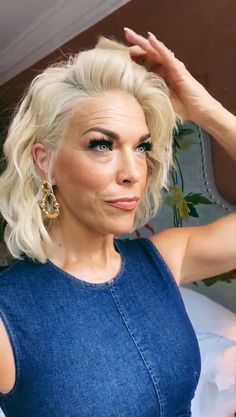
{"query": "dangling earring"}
(49, 200)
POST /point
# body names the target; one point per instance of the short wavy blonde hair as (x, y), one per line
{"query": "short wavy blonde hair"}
(42, 117)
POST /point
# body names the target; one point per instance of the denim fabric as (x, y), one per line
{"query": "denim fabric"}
(122, 348)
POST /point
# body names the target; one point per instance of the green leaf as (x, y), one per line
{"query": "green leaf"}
(184, 132)
(225, 277)
(183, 209)
(170, 200)
(192, 211)
(184, 143)
(176, 190)
(209, 281)
(176, 144)
(197, 199)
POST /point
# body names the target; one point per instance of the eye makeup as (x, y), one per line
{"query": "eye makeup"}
(147, 146)
(104, 144)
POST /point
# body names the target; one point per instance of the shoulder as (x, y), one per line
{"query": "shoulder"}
(18, 272)
(172, 243)
(167, 246)
(11, 268)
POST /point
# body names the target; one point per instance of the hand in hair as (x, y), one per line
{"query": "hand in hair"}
(187, 94)
(189, 98)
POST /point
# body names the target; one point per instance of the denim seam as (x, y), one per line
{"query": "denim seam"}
(121, 312)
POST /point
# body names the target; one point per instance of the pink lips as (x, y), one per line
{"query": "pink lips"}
(124, 203)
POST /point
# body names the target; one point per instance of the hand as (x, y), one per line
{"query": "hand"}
(189, 98)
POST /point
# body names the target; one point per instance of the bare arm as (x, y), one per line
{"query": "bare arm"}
(195, 253)
(221, 125)
(210, 250)
(7, 363)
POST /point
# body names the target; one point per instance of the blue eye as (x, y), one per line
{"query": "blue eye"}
(100, 145)
(105, 145)
(145, 147)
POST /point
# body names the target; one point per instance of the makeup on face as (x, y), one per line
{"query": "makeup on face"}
(101, 169)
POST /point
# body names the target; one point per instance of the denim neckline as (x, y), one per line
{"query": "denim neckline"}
(93, 285)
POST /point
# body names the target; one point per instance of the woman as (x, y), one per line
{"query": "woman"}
(92, 325)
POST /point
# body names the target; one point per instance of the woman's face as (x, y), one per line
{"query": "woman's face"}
(103, 158)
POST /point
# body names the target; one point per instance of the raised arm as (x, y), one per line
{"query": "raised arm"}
(199, 252)
(195, 252)
(189, 98)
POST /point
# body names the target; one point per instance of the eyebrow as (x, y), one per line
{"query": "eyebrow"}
(114, 135)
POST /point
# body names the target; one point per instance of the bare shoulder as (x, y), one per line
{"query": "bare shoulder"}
(7, 363)
(172, 243)
(199, 252)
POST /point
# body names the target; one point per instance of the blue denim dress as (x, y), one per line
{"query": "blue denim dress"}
(122, 348)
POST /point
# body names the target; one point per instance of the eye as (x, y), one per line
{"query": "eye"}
(145, 147)
(100, 145)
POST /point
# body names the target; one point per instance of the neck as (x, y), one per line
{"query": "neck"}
(73, 243)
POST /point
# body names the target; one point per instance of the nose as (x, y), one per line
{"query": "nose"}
(129, 168)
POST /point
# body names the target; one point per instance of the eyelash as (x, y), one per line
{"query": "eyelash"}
(94, 143)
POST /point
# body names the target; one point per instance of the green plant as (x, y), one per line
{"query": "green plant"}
(184, 205)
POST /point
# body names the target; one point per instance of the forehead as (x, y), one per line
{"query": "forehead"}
(114, 109)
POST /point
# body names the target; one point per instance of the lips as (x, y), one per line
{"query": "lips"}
(125, 199)
(126, 203)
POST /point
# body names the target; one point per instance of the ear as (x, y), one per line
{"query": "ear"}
(40, 157)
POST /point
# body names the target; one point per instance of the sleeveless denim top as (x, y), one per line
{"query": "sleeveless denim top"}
(122, 348)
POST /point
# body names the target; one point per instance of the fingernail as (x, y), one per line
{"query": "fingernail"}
(151, 36)
(127, 29)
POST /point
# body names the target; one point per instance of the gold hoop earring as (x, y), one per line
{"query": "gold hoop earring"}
(49, 200)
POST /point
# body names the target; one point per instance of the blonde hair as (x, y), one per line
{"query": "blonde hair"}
(42, 117)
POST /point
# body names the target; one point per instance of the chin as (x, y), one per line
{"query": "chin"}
(116, 227)
(122, 229)
(122, 232)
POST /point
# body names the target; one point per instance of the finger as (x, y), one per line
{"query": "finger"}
(176, 68)
(136, 51)
(142, 42)
(159, 46)
(136, 39)
(133, 37)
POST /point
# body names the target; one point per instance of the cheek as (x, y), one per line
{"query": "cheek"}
(81, 173)
(143, 171)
